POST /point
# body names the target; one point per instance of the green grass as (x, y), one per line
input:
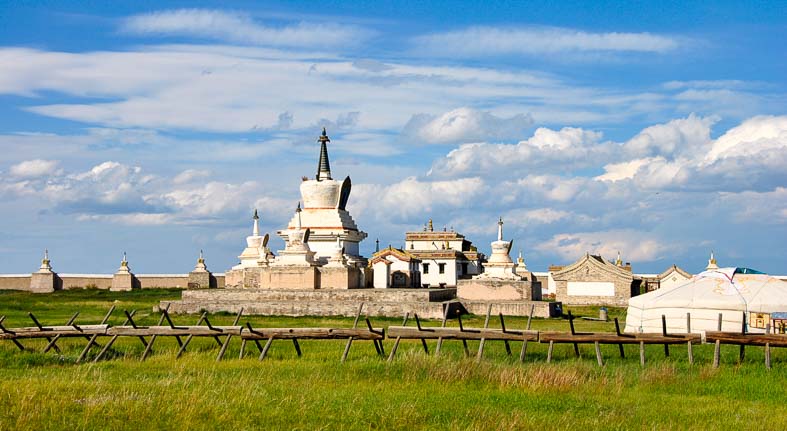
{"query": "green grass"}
(48, 391)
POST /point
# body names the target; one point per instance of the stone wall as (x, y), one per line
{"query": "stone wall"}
(515, 308)
(104, 281)
(15, 282)
(494, 290)
(86, 281)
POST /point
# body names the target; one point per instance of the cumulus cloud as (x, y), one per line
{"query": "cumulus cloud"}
(489, 41)
(34, 168)
(465, 125)
(190, 175)
(413, 197)
(634, 245)
(547, 150)
(242, 28)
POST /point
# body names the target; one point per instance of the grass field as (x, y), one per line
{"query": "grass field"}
(48, 391)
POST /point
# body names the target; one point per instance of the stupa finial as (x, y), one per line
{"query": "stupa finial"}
(430, 226)
(618, 260)
(324, 165)
(712, 262)
(500, 229)
(298, 213)
(255, 230)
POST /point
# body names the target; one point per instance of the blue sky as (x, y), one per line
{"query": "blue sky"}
(657, 129)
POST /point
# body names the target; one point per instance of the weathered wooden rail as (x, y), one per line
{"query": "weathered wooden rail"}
(148, 335)
(222, 335)
(441, 333)
(618, 338)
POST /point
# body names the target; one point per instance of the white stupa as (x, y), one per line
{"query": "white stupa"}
(296, 251)
(256, 252)
(500, 265)
(325, 214)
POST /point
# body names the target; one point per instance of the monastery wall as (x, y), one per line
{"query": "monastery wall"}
(15, 282)
(104, 281)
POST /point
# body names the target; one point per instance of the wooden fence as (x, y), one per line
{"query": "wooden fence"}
(183, 335)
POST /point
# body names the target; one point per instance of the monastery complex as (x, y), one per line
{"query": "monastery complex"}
(320, 271)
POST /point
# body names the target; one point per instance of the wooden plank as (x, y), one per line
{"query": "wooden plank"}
(94, 337)
(167, 331)
(642, 353)
(312, 333)
(70, 322)
(410, 333)
(350, 340)
(52, 331)
(503, 328)
(3, 331)
(735, 338)
(598, 354)
(527, 328)
(398, 339)
(690, 352)
(717, 349)
(229, 336)
(442, 325)
(483, 340)
(612, 338)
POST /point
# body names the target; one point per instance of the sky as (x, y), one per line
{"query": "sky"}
(653, 129)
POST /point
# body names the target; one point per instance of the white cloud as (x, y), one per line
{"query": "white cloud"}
(34, 168)
(486, 41)
(412, 197)
(190, 175)
(465, 125)
(547, 150)
(242, 28)
(756, 137)
(634, 245)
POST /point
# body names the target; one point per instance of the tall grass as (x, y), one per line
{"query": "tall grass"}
(416, 391)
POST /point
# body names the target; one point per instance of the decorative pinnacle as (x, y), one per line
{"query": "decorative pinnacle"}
(500, 229)
(298, 213)
(323, 166)
(255, 216)
(618, 261)
(377, 245)
(46, 254)
(201, 258)
(430, 226)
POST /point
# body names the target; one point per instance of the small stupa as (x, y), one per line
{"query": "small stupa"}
(43, 280)
(123, 280)
(296, 250)
(500, 265)
(256, 252)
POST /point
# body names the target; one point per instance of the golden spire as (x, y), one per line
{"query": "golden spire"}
(431, 226)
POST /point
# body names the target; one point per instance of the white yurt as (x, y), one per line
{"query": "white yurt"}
(733, 292)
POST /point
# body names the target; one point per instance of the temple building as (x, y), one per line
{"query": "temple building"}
(446, 256)
(395, 268)
(321, 241)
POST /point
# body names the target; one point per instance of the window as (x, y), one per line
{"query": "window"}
(441, 268)
(464, 268)
(426, 268)
(412, 246)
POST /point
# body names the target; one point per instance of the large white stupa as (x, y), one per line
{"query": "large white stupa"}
(325, 215)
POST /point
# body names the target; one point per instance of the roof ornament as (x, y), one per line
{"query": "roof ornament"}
(323, 166)
(298, 213)
(256, 228)
(712, 262)
(618, 261)
(500, 229)
(377, 245)
(430, 226)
